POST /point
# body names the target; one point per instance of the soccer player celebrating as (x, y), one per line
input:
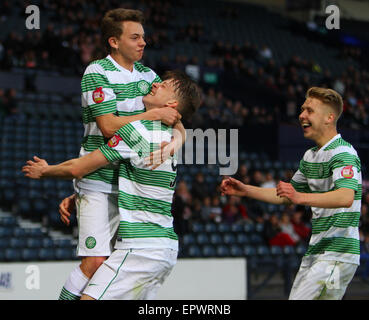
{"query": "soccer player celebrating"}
(112, 91)
(146, 244)
(329, 181)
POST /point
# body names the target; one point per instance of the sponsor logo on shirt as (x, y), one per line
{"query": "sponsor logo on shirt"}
(98, 95)
(114, 141)
(347, 172)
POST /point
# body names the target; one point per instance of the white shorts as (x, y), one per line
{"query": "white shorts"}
(98, 222)
(131, 274)
(322, 280)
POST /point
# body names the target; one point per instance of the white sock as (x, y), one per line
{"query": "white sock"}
(74, 285)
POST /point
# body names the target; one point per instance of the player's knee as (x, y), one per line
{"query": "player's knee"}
(89, 265)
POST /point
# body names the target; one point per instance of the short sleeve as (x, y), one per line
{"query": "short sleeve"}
(346, 170)
(97, 91)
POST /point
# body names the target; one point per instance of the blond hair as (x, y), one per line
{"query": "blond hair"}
(328, 97)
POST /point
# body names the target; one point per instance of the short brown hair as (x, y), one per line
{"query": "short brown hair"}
(329, 97)
(111, 24)
(187, 91)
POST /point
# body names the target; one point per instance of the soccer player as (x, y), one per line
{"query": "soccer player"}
(146, 245)
(112, 91)
(328, 180)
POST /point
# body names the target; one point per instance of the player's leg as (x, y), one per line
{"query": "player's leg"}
(134, 274)
(98, 219)
(323, 280)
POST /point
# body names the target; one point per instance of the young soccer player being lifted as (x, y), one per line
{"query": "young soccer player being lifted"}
(329, 181)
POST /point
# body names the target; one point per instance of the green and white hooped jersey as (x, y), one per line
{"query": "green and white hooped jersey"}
(145, 196)
(107, 88)
(335, 232)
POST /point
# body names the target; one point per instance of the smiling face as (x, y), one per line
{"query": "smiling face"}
(316, 119)
(162, 95)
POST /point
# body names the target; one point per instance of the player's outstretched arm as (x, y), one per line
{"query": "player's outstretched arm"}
(340, 198)
(233, 187)
(110, 123)
(70, 169)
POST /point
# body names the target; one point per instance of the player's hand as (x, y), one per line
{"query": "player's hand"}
(167, 115)
(157, 157)
(232, 187)
(66, 207)
(34, 169)
(286, 190)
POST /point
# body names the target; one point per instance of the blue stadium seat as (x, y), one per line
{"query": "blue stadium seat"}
(288, 250)
(276, 250)
(5, 232)
(236, 250)
(208, 251)
(63, 243)
(46, 254)
(210, 227)
(202, 238)
(248, 227)
(249, 250)
(13, 254)
(300, 250)
(8, 221)
(256, 239)
(193, 251)
(236, 227)
(242, 238)
(262, 250)
(188, 239)
(4, 243)
(34, 242)
(222, 251)
(224, 227)
(215, 238)
(48, 243)
(197, 227)
(63, 254)
(19, 232)
(28, 254)
(18, 242)
(229, 238)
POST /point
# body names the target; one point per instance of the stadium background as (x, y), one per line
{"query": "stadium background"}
(254, 61)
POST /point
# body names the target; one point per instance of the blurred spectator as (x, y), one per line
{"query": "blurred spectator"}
(199, 188)
(273, 233)
(234, 211)
(206, 209)
(215, 210)
(181, 209)
(288, 228)
(269, 181)
(299, 226)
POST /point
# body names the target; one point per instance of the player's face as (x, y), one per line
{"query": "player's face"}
(314, 118)
(131, 43)
(161, 94)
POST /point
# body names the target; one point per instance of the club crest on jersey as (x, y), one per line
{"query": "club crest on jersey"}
(143, 87)
(114, 141)
(98, 95)
(347, 172)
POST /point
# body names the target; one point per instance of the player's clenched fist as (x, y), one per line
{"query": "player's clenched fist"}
(34, 169)
(232, 187)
